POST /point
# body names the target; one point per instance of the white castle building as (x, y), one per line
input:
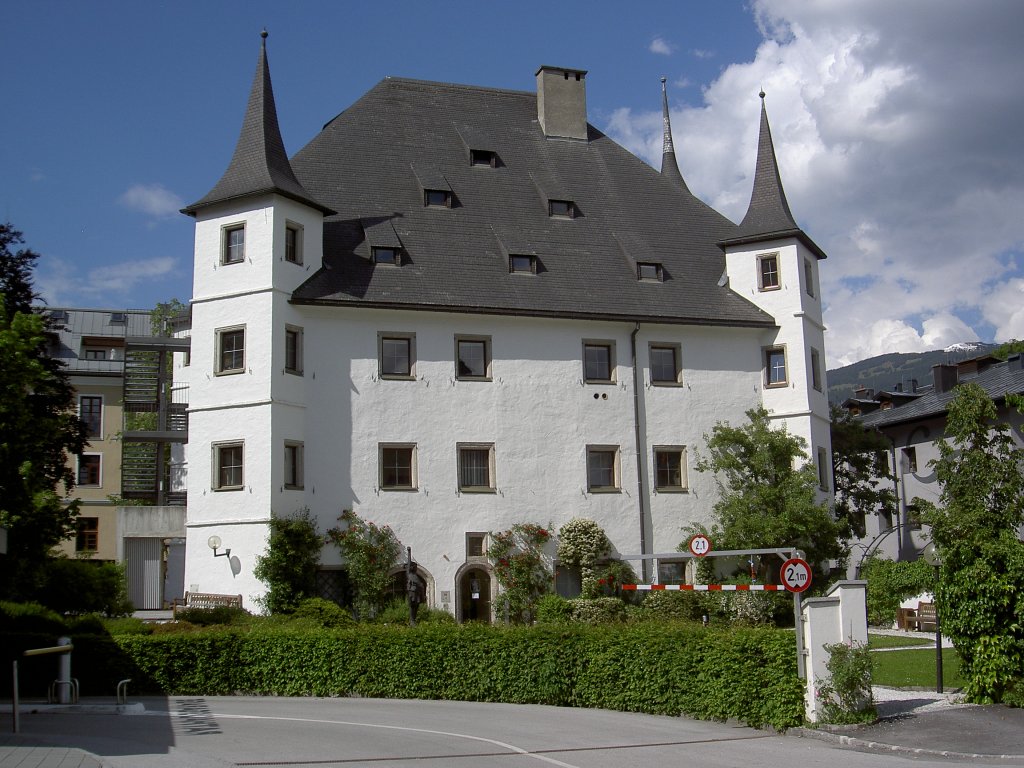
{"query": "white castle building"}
(460, 308)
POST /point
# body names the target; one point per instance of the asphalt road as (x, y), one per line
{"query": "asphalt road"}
(252, 731)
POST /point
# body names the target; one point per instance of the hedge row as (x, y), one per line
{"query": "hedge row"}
(667, 669)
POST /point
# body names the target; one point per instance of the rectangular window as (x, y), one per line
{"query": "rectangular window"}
(397, 467)
(476, 545)
(598, 362)
(476, 467)
(91, 353)
(437, 198)
(809, 278)
(473, 357)
(89, 465)
(233, 244)
(483, 157)
(293, 243)
(90, 411)
(768, 271)
(908, 463)
(227, 466)
(390, 256)
(230, 350)
(822, 469)
(649, 270)
(526, 265)
(87, 534)
(671, 572)
(816, 369)
(293, 469)
(561, 209)
(665, 364)
(293, 350)
(670, 468)
(602, 468)
(396, 354)
(775, 367)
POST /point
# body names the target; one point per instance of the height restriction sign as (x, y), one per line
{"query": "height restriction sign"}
(796, 575)
(700, 545)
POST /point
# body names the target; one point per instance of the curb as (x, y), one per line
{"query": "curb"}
(878, 746)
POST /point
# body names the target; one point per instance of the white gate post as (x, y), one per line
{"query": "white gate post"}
(841, 616)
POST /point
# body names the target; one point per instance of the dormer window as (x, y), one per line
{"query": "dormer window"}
(649, 270)
(390, 256)
(437, 198)
(483, 157)
(561, 209)
(526, 265)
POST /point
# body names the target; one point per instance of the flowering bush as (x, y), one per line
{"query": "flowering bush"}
(582, 544)
(370, 552)
(521, 569)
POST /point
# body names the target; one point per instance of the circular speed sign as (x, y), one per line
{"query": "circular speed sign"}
(700, 545)
(796, 575)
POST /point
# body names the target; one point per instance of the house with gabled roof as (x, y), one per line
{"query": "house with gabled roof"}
(458, 308)
(914, 422)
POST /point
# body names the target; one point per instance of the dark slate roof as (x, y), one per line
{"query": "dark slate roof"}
(260, 164)
(768, 216)
(372, 161)
(669, 166)
(997, 381)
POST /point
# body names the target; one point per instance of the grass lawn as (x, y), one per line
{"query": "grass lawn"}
(892, 641)
(915, 668)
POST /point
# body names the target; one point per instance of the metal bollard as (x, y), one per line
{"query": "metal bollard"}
(64, 673)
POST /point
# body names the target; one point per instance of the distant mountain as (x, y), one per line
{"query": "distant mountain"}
(886, 372)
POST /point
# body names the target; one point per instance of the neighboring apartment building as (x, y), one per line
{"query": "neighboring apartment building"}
(459, 308)
(913, 421)
(121, 377)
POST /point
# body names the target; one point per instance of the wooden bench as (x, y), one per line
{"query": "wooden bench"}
(205, 600)
(920, 619)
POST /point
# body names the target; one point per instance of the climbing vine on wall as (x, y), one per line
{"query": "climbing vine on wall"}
(521, 568)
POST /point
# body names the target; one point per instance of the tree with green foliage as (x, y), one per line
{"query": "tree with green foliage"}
(371, 553)
(1012, 347)
(980, 594)
(860, 472)
(39, 429)
(767, 493)
(289, 566)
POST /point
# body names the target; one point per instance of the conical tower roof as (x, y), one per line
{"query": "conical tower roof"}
(768, 216)
(260, 164)
(669, 166)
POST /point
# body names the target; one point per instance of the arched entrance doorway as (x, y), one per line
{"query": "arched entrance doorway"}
(475, 595)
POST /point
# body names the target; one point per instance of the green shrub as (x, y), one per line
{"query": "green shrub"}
(289, 566)
(658, 668)
(664, 604)
(601, 610)
(206, 617)
(845, 695)
(98, 587)
(30, 617)
(889, 583)
(324, 613)
(553, 609)
(128, 625)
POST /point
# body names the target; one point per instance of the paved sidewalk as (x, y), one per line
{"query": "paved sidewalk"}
(18, 752)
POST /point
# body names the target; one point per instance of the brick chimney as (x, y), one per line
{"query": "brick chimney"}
(562, 102)
(944, 378)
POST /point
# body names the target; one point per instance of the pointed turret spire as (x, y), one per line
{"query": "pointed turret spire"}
(768, 216)
(669, 166)
(260, 164)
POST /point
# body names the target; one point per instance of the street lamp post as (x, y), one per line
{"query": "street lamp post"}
(934, 559)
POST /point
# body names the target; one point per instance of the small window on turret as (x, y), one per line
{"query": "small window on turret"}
(293, 243)
(768, 272)
(233, 244)
(809, 278)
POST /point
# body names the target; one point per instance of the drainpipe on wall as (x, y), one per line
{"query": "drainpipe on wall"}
(641, 496)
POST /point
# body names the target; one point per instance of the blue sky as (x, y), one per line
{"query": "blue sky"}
(896, 124)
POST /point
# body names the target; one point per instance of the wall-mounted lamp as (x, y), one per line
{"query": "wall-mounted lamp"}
(214, 543)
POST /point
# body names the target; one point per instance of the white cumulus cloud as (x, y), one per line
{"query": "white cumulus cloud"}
(152, 199)
(660, 46)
